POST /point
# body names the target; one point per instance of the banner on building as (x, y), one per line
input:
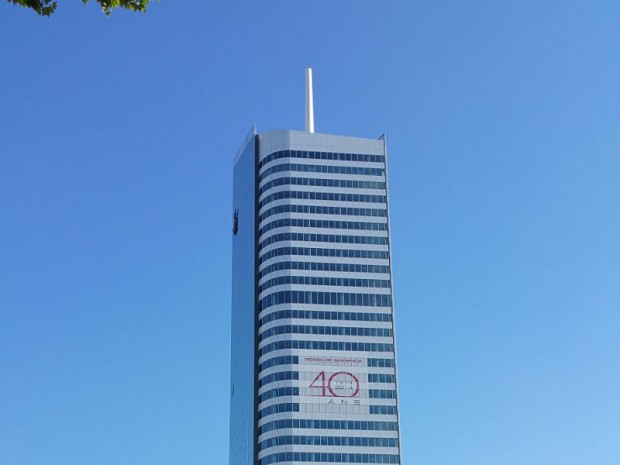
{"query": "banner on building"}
(332, 384)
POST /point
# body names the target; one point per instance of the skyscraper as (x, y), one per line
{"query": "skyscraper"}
(313, 375)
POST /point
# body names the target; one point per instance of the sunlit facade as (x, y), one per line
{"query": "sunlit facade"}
(313, 373)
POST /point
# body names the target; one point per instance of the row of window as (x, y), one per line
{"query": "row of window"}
(329, 224)
(294, 375)
(322, 210)
(328, 457)
(320, 252)
(321, 315)
(278, 392)
(349, 425)
(336, 238)
(325, 298)
(382, 409)
(328, 441)
(294, 391)
(317, 266)
(319, 182)
(371, 362)
(325, 330)
(381, 394)
(327, 345)
(278, 408)
(324, 281)
(381, 378)
(305, 154)
(294, 360)
(331, 196)
(381, 362)
(279, 376)
(329, 169)
(277, 361)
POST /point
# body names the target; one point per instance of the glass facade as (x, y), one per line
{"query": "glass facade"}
(313, 376)
(243, 353)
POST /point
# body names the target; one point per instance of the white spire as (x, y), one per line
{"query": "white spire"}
(309, 102)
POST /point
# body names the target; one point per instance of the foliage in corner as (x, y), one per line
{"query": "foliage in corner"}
(134, 5)
(47, 7)
(43, 7)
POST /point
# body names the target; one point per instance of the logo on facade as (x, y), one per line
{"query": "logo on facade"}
(235, 222)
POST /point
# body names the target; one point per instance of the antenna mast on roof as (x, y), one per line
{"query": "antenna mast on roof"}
(309, 102)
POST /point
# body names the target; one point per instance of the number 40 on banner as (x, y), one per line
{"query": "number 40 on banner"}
(339, 384)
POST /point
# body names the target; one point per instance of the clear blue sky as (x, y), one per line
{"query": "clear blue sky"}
(116, 144)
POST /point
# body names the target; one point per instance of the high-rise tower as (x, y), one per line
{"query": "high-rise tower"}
(313, 375)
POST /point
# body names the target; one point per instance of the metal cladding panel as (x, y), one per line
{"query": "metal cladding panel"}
(273, 141)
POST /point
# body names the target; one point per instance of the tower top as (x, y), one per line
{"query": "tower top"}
(309, 102)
